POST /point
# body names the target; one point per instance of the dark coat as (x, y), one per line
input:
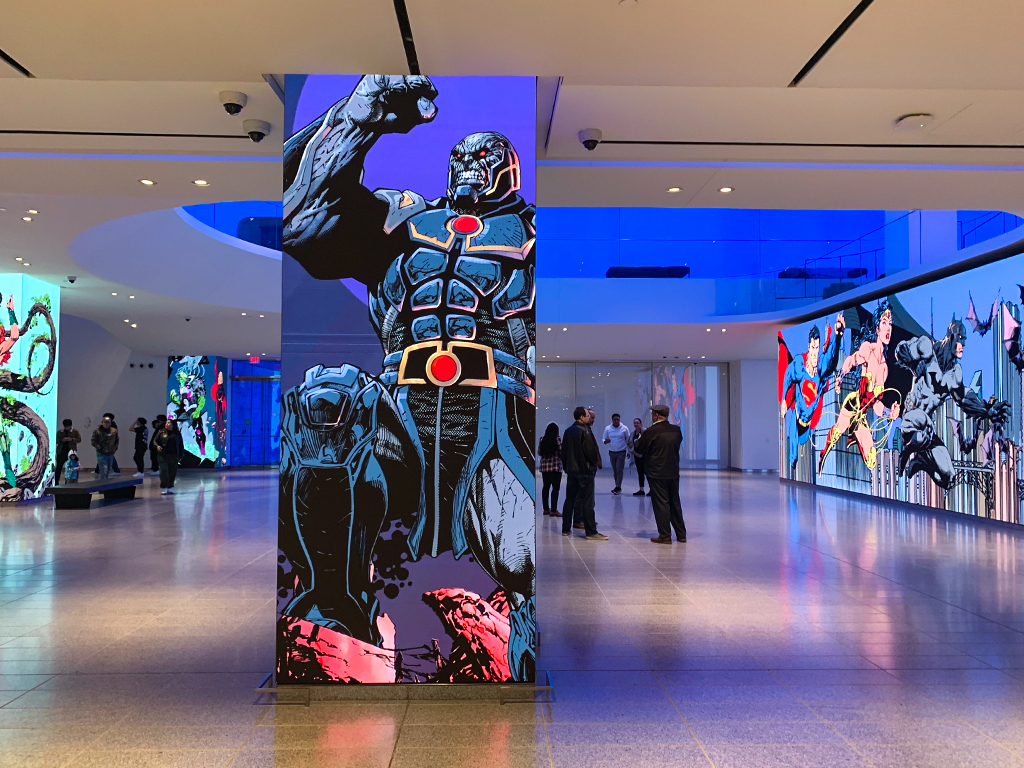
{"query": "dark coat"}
(580, 455)
(659, 445)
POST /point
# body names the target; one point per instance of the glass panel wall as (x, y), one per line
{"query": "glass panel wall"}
(697, 396)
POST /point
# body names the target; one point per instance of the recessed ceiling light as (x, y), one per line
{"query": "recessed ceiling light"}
(201, 183)
(18, 258)
(565, 329)
(2, 210)
(673, 189)
(113, 294)
(558, 356)
(147, 182)
(127, 320)
(723, 330)
(261, 315)
(709, 330)
(25, 264)
(243, 314)
(725, 190)
(26, 218)
(627, 3)
(31, 210)
(131, 297)
(702, 357)
(135, 325)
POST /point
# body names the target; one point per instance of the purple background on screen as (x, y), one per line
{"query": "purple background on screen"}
(418, 160)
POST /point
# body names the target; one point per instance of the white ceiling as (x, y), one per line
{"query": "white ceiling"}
(663, 70)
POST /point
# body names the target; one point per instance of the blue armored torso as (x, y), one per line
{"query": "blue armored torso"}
(460, 277)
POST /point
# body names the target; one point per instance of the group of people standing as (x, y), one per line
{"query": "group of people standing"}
(165, 450)
(655, 453)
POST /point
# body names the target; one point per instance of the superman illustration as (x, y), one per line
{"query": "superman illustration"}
(802, 382)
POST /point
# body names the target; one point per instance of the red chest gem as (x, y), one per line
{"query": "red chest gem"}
(444, 368)
(467, 225)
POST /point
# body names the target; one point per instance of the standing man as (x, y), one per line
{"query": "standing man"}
(616, 437)
(659, 445)
(579, 459)
(113, 460)
(67, 443)
(104, 440)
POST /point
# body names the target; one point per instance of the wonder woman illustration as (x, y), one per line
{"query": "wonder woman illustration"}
(855, 414)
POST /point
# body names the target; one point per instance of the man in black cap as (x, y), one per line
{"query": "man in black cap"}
(659, 445)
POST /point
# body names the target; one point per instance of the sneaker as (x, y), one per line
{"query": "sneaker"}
(139, 474)
(163, 491)
(170, 491)
(616, 491)
(661, 540)
(579, 526)
(155, 472)
(566, 533)
(596, 537)
(640, 493)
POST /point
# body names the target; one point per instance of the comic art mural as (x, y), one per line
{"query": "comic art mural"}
(29, 327)
(197, 401)
(407, 470)
(915, 397)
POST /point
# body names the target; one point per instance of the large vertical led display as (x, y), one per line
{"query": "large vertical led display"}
(408, 404)
(197, 401)
(29, 328)
(914, 397)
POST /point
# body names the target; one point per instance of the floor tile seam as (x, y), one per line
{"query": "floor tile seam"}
(675, 706)
(30, 690)
(398, 734)
(829, 725)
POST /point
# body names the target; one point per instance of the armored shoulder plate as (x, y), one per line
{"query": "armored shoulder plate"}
(401, 206)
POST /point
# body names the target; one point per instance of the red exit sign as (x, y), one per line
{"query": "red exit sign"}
(254, 359)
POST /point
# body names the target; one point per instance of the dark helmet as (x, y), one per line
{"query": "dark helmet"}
(483, 168)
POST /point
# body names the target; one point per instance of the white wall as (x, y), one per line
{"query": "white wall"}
(753, 414)
(96, 376)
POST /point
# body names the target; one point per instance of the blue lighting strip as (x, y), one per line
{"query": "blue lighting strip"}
(773, 165)
(146, 158)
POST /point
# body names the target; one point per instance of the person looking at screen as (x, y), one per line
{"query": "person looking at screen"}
(157, 424)
(550, 451)
(141, 444)
(105, 440)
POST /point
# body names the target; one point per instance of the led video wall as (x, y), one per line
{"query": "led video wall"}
(29, 328)
(406, 534)
(915, 397)
(197, 401)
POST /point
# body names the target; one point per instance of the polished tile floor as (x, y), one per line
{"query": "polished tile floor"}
(792, 630)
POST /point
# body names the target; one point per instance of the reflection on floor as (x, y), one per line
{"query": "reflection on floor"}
(792, 630)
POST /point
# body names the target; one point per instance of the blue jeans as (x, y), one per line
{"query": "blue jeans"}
(103, 465)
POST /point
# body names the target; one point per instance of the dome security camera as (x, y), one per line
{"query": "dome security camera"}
(257, 129)
(233, 101)
(72, 278)
(590, 138)
(188, 319)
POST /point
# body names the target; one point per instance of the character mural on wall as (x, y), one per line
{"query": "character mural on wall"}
(28, 393)
(432, 458)
(932, 419)
(803, 381)
(190, 379)
(938, 376)
(863, 412)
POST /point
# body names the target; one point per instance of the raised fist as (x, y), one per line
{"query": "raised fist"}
(391, 103)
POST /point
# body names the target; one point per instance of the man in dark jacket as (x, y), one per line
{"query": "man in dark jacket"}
(580, 457)
(104, 440)
(659, 445)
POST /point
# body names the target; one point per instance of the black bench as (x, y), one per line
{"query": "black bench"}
(79, 495)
